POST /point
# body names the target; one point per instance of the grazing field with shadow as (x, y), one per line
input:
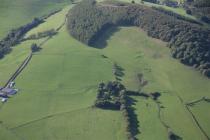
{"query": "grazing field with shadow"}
(58, 88)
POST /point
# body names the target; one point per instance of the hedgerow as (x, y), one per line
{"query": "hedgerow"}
(16, 36)
(113, 95)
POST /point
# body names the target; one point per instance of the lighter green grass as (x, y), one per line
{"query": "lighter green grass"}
(81, 124)
(53, 22)
(11, 62)
(178, 10)
(59, 86)
(16, 13)
(57, 91)
(202, 113)
(137, 53)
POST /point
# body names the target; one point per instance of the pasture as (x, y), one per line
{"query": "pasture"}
(58, 88)
(134, 51)
(16, 13)
(60, 95)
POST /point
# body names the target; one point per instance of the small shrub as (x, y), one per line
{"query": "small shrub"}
(35, 47)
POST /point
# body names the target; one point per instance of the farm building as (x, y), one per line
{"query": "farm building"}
(9, 91)
(11, 84)
(4, 100)
(2, 95)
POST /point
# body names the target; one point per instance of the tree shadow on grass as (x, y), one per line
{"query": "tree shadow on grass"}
(134, 123)
(173, 136)
(118, 72)
(135, 93)
(100, 40)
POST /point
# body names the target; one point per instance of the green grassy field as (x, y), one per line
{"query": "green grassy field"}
(10, 62)
(59, 86)
(60, 94)
(137, 53)
(16, 13)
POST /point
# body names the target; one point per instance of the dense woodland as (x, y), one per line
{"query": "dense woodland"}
(189, 42)
(113, 95)
(15, 36)
(199, 8)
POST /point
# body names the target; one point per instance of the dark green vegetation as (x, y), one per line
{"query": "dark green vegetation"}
(39, 35)
(14, 14)
(176, 15)
(15, 36)
(152, 1)
(35, 47)
(57, 95)
(59, 86)
(114, 96)
(111, 96)
(189, 42)
(118, 72)
(199, 8)
(136, 53)
(199, 3)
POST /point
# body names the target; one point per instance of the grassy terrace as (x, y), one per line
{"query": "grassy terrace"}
(58, 88)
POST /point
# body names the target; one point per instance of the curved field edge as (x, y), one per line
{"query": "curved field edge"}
(187, 41)
(49, 93)
(137, 53)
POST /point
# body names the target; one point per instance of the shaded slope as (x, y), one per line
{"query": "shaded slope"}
(189, 42)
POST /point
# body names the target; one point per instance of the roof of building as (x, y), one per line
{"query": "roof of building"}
(9, 91)
(4, 99)
(3, 95)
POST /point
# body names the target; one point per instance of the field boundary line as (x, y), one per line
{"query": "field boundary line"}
(193, 116)
(197, 122)
(19, 70)
(203, 99)
(12, 131)
(46, 117)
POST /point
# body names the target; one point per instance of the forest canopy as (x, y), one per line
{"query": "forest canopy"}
(188, 41)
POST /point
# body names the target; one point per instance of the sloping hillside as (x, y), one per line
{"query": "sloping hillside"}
(58, 88)
(14, 13)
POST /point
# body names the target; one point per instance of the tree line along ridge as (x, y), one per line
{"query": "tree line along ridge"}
(188, 41)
